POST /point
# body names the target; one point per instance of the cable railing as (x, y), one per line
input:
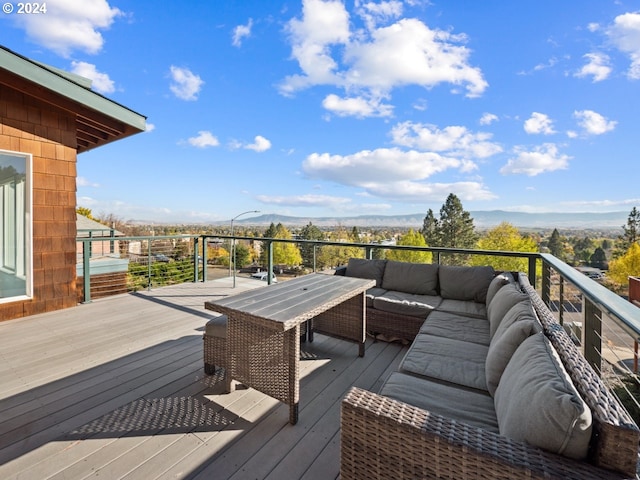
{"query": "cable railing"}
(605, 325)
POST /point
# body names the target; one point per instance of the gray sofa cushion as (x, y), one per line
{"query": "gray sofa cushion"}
(465, 308)
(467, 406)
(465, 283)
(447, 359)
(363, 268)
(497, 283)
(451, 325)
(418, 278)
(373, 293)
(502, 302)
(406, 303)
(518, 324)
(537, 403)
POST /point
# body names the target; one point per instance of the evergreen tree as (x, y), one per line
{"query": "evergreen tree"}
(455, 230)
(355, 235)
(555, 244)
(430, 229)
(264, 253)
(599, 259)
(309, 232)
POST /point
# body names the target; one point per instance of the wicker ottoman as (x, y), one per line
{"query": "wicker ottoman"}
(215, 344)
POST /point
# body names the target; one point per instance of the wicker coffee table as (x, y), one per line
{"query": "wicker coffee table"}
(263, 330)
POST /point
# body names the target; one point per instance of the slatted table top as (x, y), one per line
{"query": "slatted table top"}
(284, 305)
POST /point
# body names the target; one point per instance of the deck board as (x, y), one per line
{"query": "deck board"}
(116, 389)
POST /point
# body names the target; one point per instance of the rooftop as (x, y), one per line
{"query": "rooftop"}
(116, 388)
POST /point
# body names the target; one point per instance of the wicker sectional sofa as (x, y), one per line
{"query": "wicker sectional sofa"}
(491, 386)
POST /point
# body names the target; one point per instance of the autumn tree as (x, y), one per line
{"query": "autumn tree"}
(621, 268)
(413, 238)
(85, 212)
(285, 253)
(507, 238)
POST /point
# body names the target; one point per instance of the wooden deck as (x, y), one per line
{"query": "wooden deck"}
(116, 389)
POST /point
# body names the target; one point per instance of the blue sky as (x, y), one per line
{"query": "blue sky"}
(340, 108)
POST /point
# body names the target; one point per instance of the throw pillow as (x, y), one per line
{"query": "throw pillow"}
(418, 278)
(363, 268)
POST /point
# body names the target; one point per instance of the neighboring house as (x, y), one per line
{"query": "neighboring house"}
(47, 117)
(107, 266)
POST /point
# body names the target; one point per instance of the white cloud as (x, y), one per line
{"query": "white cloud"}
(241, 32)
(150, 127)
(597, 67)
(377, 166)
(203, 140)
(83, 182)
(393, 174)
(539, 123)
(454, 140)
(260, 144)
(593, 123)
(375, 13)
(488, 118)
(625, 35)
(356, 106)
(100, 81)
(543, 158)
(67, 26)
(185, 84)
(308, 200)
(369, 63)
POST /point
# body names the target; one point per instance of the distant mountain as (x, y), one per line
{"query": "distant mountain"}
(481, 219)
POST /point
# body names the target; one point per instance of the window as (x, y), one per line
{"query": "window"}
(15, 226)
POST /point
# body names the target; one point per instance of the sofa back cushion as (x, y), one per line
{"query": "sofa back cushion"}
(465, 283)
(508, 296)
(518, 324)
(363, 268)
(418, 278)
(536, 402)
(497, 283)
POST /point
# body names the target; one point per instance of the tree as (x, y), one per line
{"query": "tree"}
(413, 238)
(454, 229)
(555, 244)
(630, 235)
(285, 253)
(430, 229)
(599, 259)
(505, 237)
(621, 268)
(85, 212)
(309, 232)
(242, 255)
(355, 235)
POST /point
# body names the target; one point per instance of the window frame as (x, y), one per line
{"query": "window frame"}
(26, 256)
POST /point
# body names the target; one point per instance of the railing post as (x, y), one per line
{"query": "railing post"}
(86, 274)
(368, 252)
(204, 259)
(195, 260)
(592, 333)
(314, 258)
(532, 271)
(269, 262)
(149, 265)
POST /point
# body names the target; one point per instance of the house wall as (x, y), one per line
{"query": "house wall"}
(49, 134)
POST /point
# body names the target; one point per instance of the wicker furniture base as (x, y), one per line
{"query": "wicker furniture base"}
(215, 344)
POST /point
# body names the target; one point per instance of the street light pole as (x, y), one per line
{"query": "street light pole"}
(232, 256)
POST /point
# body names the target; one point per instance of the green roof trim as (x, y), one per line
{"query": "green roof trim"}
(69, 85)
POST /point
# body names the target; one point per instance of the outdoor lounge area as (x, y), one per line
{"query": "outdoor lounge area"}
(115, 388)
